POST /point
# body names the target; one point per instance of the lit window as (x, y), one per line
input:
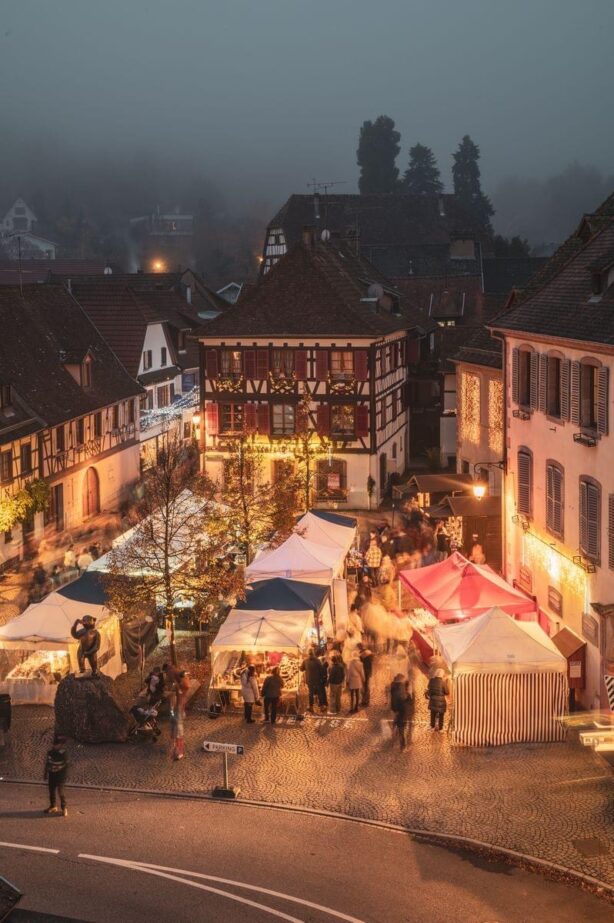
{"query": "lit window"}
(331, 479)
(283, 419)
(230, 363)
(341, 364)
(231, 418)
(342, 420)
(282, 363)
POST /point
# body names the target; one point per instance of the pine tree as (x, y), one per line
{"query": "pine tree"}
(378, 147)
(422, 175)
(467, 188)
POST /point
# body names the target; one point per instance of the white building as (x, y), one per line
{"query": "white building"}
(68, 417)
(18, 234)
(323, 323)
(559, 485)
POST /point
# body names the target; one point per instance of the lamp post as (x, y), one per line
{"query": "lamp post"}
(479, 487)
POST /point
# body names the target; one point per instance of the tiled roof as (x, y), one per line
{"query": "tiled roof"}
(44, 270)
(480, 348)
(312, 291)
(501, 275)
(118, 314)
(559, 301)
(40, 332)
(397, 232)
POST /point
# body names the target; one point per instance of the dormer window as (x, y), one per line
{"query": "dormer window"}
(86, 373)
(182, 341)
(6, 397)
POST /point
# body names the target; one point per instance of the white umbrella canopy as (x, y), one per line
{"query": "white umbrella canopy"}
(263, 630)
(323, 532)
(48, 622)
(298, 559)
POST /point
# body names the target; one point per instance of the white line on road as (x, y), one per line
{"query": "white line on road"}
(31, 848)
(151, 867)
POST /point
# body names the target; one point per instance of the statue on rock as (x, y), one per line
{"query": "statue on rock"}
(88, 637)
(87, 710)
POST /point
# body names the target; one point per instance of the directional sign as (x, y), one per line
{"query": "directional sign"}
(212, 746)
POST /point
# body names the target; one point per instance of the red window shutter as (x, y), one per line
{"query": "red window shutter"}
(321, 364)
(362, 420)
(300, 364)
(212, 417)
(250, 418)
(211, 363)
(249, 363)
(262, 363)
(323, 419)
(361, 364)
(263, 419)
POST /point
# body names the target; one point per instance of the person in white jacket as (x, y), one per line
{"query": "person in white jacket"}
(250, 692)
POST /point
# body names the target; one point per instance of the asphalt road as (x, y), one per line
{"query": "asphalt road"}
(131, 858)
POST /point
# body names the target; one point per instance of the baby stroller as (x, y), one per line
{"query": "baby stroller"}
(145, 722)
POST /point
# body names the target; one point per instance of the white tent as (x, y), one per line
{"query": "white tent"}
(323, 532)
(510, 681)
(44, 628)
(299, 559)
(246, 630)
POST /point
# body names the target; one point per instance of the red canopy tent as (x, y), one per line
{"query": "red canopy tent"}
(457, 589)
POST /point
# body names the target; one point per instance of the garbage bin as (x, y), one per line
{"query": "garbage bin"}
(5, 712)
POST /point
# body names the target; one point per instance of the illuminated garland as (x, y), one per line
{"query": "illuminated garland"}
(151, 418)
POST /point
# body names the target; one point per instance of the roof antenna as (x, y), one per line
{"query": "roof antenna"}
(324, 187)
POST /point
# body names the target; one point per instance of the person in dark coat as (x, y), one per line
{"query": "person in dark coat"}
(271, 691)
(367, 659)
(312, 668)
(402, 705)
(56, 769)
(336, 677)
(321, 692)
(438, 689)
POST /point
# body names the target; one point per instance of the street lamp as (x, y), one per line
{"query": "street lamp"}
(479, 487)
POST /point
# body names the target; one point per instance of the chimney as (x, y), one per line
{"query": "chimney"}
(442, 207)
(316, 206)
(309, 237)
(188, 294)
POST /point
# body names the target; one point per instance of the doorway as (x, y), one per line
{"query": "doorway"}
(383, 474)
(91, 493)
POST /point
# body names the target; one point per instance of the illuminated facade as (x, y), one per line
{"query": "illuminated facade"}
(559, 486)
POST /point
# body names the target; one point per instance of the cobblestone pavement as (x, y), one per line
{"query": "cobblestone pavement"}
(553, 801)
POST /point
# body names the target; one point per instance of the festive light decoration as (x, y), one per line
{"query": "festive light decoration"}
(495, 416)
(538, 554)
(470, 408)
(151, 418)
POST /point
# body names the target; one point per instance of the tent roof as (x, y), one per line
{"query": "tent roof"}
(49, 620)
(89, 588)
(284, 595)
(322, 532)
(348, 522)
(263, 630)
(297, 556)
(496, 643)
(457, 589)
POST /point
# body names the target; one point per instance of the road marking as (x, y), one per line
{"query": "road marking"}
(160, 869)
(31, 848)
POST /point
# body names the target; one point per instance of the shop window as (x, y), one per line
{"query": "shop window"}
(230, 363)
(331, 479)
(282, 363)
(590, 518)
(342, 421)
(283, 420)
(525, 482)
(554, 498)
(341, 364)
(231, 418)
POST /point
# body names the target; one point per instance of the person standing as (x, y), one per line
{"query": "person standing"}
(70, 558)
(84, 560)
(323, 683)
(271, 692)
(311, 667)
(437, 690)
(373, 559)
(56, 769)
(336, 676)
(366, 658)
(476, 555)
(177, 717)
(402, 705)
(356, 681)
(250, 692)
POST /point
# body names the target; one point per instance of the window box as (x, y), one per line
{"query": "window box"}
(587, 439)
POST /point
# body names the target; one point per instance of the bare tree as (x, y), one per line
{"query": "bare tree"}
(308, 446)
(178, 546)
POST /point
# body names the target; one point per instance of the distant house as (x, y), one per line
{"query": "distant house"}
(323, 324)
(18, 235)
(230, 292)
(68, 415)
(37, 270)
(164, 240)
(147, 320)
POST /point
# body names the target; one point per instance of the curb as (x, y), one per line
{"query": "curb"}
(520, 859)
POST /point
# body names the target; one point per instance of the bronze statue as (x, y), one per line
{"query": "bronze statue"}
(88, 637)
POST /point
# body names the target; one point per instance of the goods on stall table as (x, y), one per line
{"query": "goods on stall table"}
(45, 666)
(229, 666)
(422, 620)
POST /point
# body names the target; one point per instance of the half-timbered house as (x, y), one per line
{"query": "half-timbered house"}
(322, 323)
(68, 414)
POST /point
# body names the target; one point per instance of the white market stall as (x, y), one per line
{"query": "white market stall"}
(324, 528)
(264, 639)
(41, 634)
(509, 681)
(298, 559)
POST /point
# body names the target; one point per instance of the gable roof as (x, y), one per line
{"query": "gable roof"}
(40, 333)
(314, 290)
(481, 349)
(559, 301)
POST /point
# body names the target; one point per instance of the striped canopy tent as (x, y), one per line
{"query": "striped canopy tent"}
(456, 589)
(509, 680)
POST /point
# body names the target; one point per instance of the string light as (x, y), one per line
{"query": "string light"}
(470, 408)
(495, 416)
(151, 418)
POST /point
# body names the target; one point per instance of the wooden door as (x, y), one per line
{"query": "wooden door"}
(91, 493)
